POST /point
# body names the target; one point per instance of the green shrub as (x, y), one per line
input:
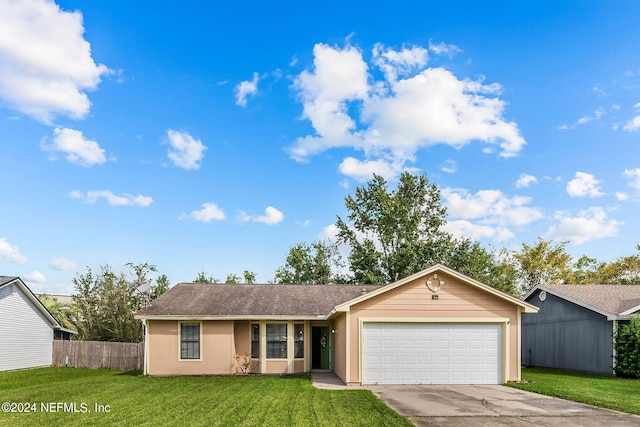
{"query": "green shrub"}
(627, 345)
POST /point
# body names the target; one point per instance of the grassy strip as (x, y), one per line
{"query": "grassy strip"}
(622, 394)
(212, 401)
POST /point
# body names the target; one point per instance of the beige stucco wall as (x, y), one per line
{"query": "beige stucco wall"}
(217, 349)
(340, 347)
(456, 301)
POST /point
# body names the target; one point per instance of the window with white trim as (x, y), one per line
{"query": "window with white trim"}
(276, 340)
(189, 340)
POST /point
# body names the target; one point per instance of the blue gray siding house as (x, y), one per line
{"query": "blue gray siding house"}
(574, 328)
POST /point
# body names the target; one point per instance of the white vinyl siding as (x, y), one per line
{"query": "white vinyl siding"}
(432, 353)
(26, 336)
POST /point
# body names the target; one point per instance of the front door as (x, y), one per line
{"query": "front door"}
(321, 344)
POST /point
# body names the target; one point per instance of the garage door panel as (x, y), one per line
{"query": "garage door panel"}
(421, 353)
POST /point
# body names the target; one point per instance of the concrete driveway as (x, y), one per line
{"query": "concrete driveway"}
(493, 405)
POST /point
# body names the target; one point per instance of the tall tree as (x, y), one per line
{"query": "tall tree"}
(622, 271)
(106, 302)
(311, 263)
(496, 269)
(546, 262)
(392, 233)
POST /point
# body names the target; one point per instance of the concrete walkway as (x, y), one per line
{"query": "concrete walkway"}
(329, 381)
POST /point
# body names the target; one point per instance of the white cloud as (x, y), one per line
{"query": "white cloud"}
(444, 49)
(525, 180)
(246, 88)
(329, 233)
(364, 170)
(112, 199)
(11, 252)
(486, 214)
(449, 166)
(391, 119)
(45, 62)
(587, 225)
(596, 115)
(76, 147)
(622, 196)
(489, 206)
(632, 125)
(467, 229)
(36, 277)
(208, 213)
(186, 151)
(597, 89)
(63, 264)
(242, 216)
(633, 175)
(271, 216)
(394, 63)
(339, 76)
(584, 184)
(303, 224)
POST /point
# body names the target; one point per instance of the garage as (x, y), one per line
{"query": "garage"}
(432, 353)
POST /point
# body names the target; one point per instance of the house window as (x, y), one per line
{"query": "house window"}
(255, 341)
(189, 340)
(276, 340)
(298, 340)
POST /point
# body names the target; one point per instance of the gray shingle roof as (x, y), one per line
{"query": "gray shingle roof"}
(199, 299)
(6, 279)
(614, 299)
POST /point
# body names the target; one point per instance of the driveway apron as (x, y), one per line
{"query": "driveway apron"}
(493, 405)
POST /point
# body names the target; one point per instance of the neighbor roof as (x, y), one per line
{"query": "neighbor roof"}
(610, 300)
(6, 279)
(204, 300)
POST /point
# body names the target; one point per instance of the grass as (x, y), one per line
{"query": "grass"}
(133, 399)
(622, 394)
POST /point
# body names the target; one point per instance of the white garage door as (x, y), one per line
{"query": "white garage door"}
(432, 353)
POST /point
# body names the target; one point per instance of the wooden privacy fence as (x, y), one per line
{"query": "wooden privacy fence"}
(98, 354)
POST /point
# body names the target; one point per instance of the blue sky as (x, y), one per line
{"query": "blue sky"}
(212, 137)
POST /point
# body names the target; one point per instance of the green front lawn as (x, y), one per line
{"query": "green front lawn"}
(131, 399)
(622, 394)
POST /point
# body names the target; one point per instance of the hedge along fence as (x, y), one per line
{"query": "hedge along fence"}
(98, 354)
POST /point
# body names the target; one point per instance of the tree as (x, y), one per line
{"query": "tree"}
(496, 269)
(65, 314)
(143, 288)
(394, 233)
(232, 278)
(622, 271)
(106, 302)
(311, 263)
(203, 278)
(249, 277)
(545, 262)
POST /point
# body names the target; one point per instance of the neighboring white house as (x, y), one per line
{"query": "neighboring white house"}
(26, 327)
